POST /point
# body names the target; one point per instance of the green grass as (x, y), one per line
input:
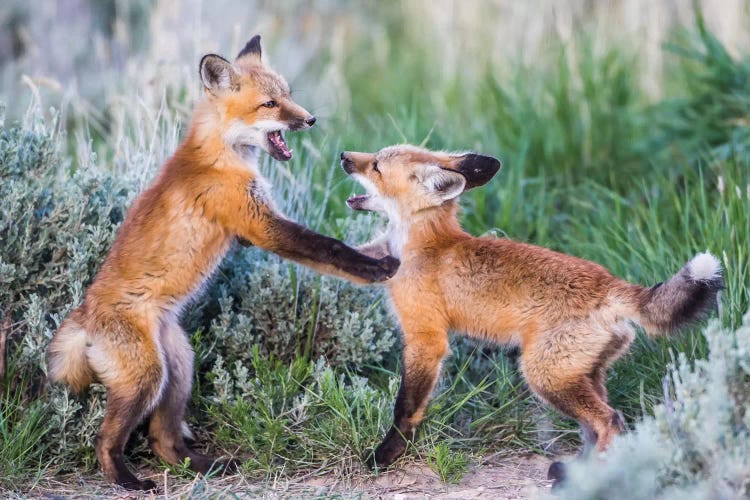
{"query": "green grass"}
(450, 465)
(22, 427)
(306, 415)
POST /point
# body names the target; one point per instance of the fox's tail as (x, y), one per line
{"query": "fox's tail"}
(684, 298)
(66, 356)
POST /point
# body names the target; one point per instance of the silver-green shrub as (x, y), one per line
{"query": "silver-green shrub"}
(697, 444)
(55, 228)
(291, 313)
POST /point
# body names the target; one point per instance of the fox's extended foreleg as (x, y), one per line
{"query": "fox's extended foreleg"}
(271, 231)
(424, 352)
(322, 253)
(249, 213)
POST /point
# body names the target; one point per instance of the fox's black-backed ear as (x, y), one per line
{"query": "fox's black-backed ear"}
(218, 74)
(251, 50)
(478, 169)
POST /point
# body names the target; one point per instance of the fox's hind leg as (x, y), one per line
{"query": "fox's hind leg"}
(579, 400)
(165, 427)
(424, 352)
(134, 378)
(568, 369)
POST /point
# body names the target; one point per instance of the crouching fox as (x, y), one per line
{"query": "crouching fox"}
(570, 317)
(126, 334)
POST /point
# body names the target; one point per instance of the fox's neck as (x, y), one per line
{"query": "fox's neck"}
(432, 228)
(205, 145)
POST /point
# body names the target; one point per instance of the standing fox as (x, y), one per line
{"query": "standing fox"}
(570, 317)
(126, 334)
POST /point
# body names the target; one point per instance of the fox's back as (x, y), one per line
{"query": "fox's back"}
(167, 248)
(499, 288)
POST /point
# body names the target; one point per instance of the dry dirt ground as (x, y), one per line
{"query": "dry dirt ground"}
(494, 477)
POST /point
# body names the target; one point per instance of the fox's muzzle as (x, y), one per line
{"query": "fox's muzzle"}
(346, 163)
(302, 123)
(295, 116)
(353, 162)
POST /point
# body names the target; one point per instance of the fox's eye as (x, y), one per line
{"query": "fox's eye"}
(375, 167)
(270, 104)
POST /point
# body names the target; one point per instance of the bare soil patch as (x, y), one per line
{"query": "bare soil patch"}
(515, 476)
(499, 476)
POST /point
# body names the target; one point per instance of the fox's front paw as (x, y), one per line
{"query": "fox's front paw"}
(135, 485)
(209, 465)
(390, 450)
(556, 474)
(381, 458)
(390, 266)
(378, 270)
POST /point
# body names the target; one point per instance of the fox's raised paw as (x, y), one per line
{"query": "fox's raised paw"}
(390, 265)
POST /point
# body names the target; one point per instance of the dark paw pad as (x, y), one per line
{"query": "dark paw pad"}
(556, 474)
(211, 466)
(385, 454)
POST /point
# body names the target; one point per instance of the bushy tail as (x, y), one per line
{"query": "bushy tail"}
(66, 357)
(667, 307)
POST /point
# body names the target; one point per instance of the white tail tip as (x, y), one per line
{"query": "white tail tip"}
(704, 267)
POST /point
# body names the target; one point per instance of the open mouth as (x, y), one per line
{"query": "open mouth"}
(277, 146)
(358, 202)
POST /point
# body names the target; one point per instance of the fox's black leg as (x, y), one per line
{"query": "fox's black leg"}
(423, 355)
(322, 253)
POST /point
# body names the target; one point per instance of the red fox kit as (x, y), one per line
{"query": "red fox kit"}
(126, 334)
(570, 317)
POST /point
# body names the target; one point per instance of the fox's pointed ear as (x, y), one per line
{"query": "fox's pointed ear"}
(441, 183)
(478, 169)
(251, 51)
(218, 74)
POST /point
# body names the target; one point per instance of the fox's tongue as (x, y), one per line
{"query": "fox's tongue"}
(278, 141)
(357, 202)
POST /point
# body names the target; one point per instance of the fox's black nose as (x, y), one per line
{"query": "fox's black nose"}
(311, 121)
(346, 163)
